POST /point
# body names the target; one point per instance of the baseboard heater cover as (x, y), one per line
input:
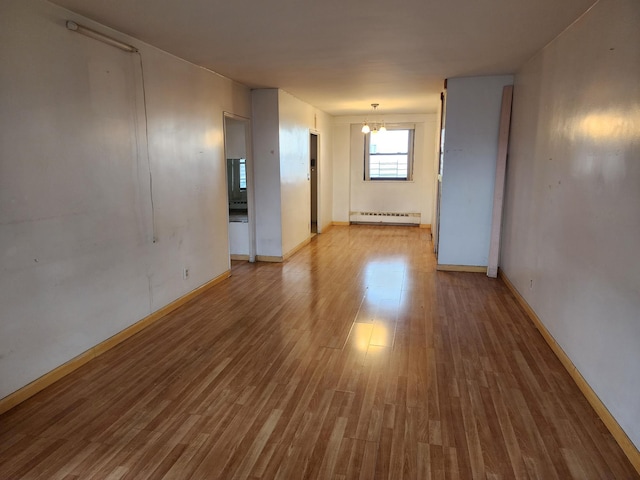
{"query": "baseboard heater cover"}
(385, 217)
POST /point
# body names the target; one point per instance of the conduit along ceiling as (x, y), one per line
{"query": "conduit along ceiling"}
(341, 56)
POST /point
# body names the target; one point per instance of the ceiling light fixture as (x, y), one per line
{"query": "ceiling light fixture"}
(375, 126)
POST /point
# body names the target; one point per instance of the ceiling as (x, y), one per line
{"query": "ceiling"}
(343, 55)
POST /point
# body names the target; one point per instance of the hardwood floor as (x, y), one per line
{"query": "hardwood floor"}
(355, 359)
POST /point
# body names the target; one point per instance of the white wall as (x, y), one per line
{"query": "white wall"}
(352, 193)
(77, 258)
(571, 232)
(235, 138)
(323, 127)
(295, 119)
(281, 127)
(239, 238)
(341, 150)
(266, 172)
(469, 168)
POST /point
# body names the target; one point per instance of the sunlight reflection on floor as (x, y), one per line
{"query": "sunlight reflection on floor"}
(375, 322)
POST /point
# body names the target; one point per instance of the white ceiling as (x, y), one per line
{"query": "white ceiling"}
(343, 55)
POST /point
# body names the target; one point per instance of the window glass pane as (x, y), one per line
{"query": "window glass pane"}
(243, 174)
(388, 166)
(391, 141)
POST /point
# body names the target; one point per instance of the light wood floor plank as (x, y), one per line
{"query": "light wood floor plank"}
(354, 359)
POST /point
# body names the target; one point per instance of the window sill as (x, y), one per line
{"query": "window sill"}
(388, 181)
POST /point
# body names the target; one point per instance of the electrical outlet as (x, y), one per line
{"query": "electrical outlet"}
(185, 273)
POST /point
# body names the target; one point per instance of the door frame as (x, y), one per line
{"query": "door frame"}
(250, 178)
(435, 230)
(315, 132)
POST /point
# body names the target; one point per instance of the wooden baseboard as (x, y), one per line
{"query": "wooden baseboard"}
(326, 228)
(295, 249)
(237, 256)
(19, 396)
(269, 258)
(461, 268)
(425, 225)
(341, 224)
(627, 446)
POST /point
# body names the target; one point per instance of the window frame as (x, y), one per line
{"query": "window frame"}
(410, 156)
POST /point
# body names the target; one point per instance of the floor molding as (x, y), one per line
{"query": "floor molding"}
(425, 225)
(341, 224)
(269, 258)
(461, 268)
(295, 249)
(325, 228)
(238, 256)
(627, 446)
(29, 390)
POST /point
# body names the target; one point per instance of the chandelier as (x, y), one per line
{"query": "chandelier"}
(375, 127)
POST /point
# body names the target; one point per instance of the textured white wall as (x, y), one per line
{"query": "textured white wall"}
(571, 230)
(77, 259)
(468, 176)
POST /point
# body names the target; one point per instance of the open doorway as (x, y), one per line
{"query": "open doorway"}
(313, 169)
(239, 188)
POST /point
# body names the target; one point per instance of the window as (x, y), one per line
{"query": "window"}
(243, 174)
(389, 155)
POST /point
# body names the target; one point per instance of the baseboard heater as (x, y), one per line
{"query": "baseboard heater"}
(385, 218)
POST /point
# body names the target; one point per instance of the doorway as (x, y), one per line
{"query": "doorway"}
(313, 169)
(239, 187)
